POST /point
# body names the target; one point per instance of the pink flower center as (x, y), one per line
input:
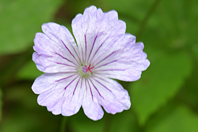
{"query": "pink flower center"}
(86, 69)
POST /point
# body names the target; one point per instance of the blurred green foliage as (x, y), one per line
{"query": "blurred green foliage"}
(159, 83)
(0, 103)
(20, 19)
(174, 118)
(165, 99)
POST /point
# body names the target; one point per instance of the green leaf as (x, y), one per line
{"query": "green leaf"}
(188, 93)
(19, 123)
(159, 83)
(1, 103)
(136, 8)
(22, 112)
(24, 120)
(109, 123)
(178, 118)
(195, 50)
(126, 121)
(81, 123)
(173, 25)
(21, 19)
(130, 11)
(29, 71)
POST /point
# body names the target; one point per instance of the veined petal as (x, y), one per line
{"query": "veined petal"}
(124, 61)
(46, 82)
(90, 104)
(109, 94)
(93, 28)
(73, 97)
(61, 92)
(53, 64)
(112, 46)
(56, 50)
(53, 100)
(60, 33)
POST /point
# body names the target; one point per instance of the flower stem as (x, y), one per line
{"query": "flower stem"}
(63, 124)
(108, 121)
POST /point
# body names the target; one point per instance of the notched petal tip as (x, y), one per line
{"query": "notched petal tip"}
(68, 112)
(56, 113)
(38, 38)
(70, 108)
(94, 112)
(139, 46)
(38, 85)
(37, 61)
(112, 15)
(46, 27)
(147, 64)
(38, 35)
(90, 9)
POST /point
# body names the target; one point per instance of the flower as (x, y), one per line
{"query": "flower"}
(81, 73)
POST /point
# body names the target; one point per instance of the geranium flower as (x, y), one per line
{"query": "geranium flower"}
(80, 73)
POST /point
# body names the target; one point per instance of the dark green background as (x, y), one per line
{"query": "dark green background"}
(165, 99)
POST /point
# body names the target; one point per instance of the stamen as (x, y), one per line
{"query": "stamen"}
(86, 69)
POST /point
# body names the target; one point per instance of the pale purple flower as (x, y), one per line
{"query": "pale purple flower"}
(81, 73)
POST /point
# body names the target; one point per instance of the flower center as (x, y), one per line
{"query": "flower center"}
(85, 70)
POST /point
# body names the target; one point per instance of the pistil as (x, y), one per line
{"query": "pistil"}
(86, 69)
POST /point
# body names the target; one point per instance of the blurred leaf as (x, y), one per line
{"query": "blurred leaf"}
(159, 82)
(109, 123)
(136, 8)
(192, 31)
(22, 112)
(126, 121)
(22, 95)
(131, 11)
(173, 25)
(174, 119)
(22, 120)
(195, 50)
(29, 71)
(17, 118)
(1, 103)
(21, 19)
(20, 123)
(189, 92)
(11, 66)
(81, 123)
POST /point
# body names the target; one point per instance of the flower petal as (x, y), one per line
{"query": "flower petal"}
(47, 82)
(56, 50)
(60, 33)
(93, 28)
(61, 92)
(52, 99)
(109, 94)
(124, 61)
(90, 104)
(73, 97)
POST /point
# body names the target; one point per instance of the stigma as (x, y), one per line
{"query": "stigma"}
(86, 69)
